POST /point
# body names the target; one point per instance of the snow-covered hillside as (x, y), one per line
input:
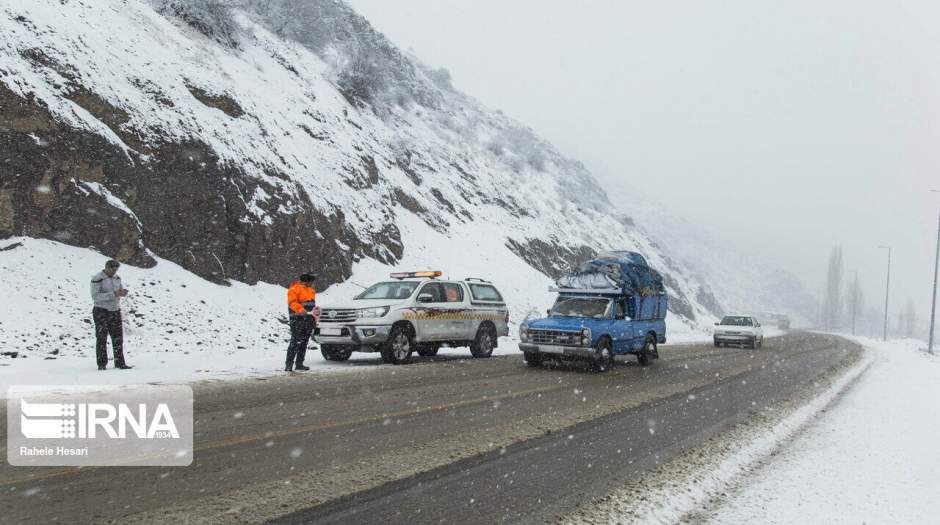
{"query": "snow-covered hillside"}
(147, 138)
(252, 146)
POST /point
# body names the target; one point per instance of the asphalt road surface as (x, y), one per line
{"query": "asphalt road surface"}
(444, 440)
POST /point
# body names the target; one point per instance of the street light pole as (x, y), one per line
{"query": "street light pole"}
(887, 290)
(933, 298)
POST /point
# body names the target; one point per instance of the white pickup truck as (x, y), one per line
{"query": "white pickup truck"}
(415, 311)
(739, 330)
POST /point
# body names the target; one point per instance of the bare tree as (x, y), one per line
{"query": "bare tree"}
(832, 303)
(855, 302)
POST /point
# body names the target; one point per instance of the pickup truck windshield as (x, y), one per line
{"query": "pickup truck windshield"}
(389, 290)
(581, 307)
(736, 321)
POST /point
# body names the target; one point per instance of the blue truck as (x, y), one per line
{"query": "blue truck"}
(612, 305)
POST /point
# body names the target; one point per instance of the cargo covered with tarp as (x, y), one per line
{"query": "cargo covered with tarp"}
(625, 271)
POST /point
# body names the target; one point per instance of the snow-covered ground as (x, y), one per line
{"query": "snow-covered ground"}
(873, 457)
(181, 328)
(178, 327)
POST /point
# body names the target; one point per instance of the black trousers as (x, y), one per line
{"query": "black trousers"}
(301, 328)
(108, 323)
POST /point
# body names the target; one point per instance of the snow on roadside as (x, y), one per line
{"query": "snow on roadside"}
(733, 466)
(678, 490)
(178, 327)
(873, 458)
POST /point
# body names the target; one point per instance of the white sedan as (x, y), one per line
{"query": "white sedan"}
(739, 330)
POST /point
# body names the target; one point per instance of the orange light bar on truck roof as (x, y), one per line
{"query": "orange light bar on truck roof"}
(409, 275)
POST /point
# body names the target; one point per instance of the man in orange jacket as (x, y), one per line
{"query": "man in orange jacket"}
(301, 305)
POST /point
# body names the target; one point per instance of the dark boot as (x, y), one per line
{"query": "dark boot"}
(302, 367)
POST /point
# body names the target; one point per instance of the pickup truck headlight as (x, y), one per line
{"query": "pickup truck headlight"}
(373, 312)
(524, 332)
(586, 337)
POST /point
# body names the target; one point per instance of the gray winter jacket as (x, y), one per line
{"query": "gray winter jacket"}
(102, 291)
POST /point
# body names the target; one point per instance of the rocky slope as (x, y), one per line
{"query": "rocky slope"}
(244, 144)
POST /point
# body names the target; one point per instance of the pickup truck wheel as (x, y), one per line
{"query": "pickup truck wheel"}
(760, 342)
(484, 342)
(428, 350)
(649, 351)
(717, 344)
(603, 356)
(533, 359)
(753, 343)
(399, 347)
(335, 352)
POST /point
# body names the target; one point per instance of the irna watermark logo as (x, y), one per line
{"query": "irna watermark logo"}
(100, 425)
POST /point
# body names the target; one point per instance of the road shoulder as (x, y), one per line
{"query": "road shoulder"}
(699, 477)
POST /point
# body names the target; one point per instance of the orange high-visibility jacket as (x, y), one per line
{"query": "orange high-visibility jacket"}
(300, 297)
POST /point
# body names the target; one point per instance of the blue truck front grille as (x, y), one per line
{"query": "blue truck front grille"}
(554, 337)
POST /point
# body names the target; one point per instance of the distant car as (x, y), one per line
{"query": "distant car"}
(739, 330)
(415, 311)
(783, 322)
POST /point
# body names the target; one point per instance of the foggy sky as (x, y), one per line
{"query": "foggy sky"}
(784, 127)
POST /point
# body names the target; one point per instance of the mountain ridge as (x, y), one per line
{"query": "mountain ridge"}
(134, 130)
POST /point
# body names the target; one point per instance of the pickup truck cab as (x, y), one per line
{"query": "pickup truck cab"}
(739, 330)
(415, 311)
(587, 324)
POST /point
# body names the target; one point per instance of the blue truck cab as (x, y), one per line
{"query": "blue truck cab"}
(614, 305)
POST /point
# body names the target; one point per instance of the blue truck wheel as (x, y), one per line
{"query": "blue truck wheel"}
(603, 356)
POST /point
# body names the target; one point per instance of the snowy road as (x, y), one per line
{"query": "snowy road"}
(447, 439)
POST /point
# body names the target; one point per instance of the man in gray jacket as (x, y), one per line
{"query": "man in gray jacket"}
(106, 292)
